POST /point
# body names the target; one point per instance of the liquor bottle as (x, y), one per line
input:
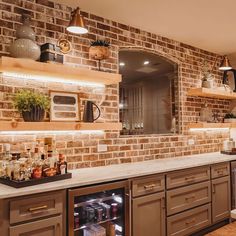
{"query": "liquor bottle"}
(61, 165)
(7, 157)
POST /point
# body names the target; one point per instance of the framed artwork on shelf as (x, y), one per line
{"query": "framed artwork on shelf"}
(65, 106)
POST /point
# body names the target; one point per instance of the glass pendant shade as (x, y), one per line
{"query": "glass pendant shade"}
(77, 25)
(225, 64)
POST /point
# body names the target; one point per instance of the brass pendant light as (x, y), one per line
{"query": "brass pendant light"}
(77, 25)
(225, 64)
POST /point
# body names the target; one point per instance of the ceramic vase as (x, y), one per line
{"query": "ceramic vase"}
(25, 46)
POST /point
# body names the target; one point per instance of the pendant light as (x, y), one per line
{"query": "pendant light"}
(77, 25)
(225, 64)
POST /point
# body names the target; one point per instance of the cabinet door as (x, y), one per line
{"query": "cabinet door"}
(220, 199)
(149, 215)
(48, 227)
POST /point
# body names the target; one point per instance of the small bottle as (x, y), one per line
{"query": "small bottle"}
(7, 157)
(76, 220)
(2, 170)
(61, 165)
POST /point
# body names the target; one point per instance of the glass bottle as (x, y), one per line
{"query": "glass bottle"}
(61, 165)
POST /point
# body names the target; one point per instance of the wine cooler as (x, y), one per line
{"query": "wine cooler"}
(102, 210)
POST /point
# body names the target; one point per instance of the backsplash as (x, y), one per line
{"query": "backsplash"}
(49, 21)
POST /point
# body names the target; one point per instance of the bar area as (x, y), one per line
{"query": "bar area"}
(116, 119)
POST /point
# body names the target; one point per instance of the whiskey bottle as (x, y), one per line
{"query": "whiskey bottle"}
(61, 165)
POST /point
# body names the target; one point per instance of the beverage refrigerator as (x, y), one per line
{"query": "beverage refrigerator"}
(101, 210)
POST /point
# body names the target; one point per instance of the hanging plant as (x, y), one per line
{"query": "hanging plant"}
(99, 50)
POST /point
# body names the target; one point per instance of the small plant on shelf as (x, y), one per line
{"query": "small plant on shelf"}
(100, 43)
(99, 50)
(207, 76)
(31, 105)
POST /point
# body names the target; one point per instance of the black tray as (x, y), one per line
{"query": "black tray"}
(228, 152)
(31, 182)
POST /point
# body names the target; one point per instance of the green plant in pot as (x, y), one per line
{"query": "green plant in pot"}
(31, 105)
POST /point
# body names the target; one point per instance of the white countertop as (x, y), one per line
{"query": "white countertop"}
(98, 175)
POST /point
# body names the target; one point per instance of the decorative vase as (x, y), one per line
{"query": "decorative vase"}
(36, 114)
(25, 46)
(99, 52)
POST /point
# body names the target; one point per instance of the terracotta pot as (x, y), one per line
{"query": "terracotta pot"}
(35, 115)
(99, 52)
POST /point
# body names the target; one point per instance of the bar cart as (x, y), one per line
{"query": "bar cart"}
(101, 210)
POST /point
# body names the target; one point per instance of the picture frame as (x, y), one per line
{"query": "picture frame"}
(64, 106)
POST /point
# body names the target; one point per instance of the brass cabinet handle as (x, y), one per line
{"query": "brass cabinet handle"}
(220, 172)
(149, 187)
(190, 221)
(213, 188)
(33, 209)
(190, 178)
(58, 229)
(190, 197)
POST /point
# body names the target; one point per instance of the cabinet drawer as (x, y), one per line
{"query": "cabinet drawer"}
(47, 227)
(189, 222)
(186, 177)
(148, 185)
(220, 170)
(35, 206)
(188, 197)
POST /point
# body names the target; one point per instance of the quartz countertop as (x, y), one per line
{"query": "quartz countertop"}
(96, 175)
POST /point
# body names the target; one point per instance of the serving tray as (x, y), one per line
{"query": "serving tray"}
(31, 182)
(228, 152)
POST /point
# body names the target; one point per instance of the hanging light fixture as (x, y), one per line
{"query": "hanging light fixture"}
(77, 25)
(225, 64)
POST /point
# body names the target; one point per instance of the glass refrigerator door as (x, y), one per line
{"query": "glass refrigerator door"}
(100, 214)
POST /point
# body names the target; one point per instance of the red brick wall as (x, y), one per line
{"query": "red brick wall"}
(49, 21)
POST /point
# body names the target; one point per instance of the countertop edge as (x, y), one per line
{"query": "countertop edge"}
(127, 172)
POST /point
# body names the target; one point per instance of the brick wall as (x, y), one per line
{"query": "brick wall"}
(49, 20)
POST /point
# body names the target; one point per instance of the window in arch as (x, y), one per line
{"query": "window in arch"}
(148, 93)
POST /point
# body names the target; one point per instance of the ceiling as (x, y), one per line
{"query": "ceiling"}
(134, 68)
(207, 24)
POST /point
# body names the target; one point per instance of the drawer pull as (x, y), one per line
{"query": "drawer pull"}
(190, 178)
(190, 222)
(190, 197)
(220, 172)
(33, 209)
(149, 187)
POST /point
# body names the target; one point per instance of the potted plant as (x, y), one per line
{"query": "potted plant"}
(207, 77)
(99, 50)
(31, 105)
(230, 118)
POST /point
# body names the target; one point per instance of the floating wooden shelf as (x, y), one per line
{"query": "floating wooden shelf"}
(56, 71)
(56, 126)
(205, 125)
(211, 93)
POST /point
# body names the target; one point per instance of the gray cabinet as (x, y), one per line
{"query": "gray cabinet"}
(149, 215)
(47, 227)
(34, 215)
(220, 199)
